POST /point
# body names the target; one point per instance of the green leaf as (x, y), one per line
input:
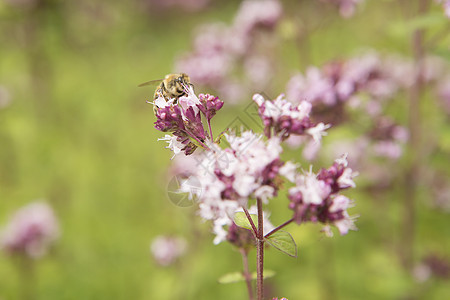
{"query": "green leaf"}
(238, 276)
(232, 278)
(283, 241)
(240, 219)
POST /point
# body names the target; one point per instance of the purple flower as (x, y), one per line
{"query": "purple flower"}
(184, 121)
(31, 230)
(209, 105)
(283, 119)
(253, 14)
(316, 198)
(230, 177)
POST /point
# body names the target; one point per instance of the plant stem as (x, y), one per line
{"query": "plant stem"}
(210, 131)
(247, 275)
(197, 139)
(415, 144)
(247, 214)
(279, 227)
(27, 277)
(260, 251)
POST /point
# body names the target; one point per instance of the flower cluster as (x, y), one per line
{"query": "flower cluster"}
(30, 231)
(246, 170)
(282, 118)
(166, 249)
(182, 117)
(220, 50)
(368, 77)
(350, 91)
(317, 198)
(250, 167)
(227, 179)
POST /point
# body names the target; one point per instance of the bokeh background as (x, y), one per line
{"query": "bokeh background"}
(76, 131)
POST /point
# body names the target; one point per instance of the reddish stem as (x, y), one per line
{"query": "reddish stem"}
(279, 227)
(260, 252)
(247, 214)
(247, 275)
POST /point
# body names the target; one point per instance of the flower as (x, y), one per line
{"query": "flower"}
(166, 250)
(445, 6)
(253, 14)
(247, 169)
(174, 145)
(209, 105)
(183, 119)
(317, 198)
(31, 230)
(283, 118)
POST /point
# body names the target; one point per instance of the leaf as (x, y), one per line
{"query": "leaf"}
(238, 276)
(231, 278)
(240, 219)
(283, 241)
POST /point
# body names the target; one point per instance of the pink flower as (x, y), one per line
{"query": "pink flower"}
(166, 250)
(443, 93)
(317, 198)
(445, 6)
(252, 14)
(282, 118)
(31, 230)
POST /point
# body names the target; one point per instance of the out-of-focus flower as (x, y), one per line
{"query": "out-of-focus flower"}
(5, 97)
(388, 138)
(317, 198)
(220, 51)
(282, 119)
(443, 93)
(254, 13)
(166, 249)
(31, 230)
(445, 6)
(432, 265)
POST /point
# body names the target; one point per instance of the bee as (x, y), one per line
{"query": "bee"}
(173, 86)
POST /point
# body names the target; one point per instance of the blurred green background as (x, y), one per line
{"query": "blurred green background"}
(79, 134)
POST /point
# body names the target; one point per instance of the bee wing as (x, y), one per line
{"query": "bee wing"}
(151, 82)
